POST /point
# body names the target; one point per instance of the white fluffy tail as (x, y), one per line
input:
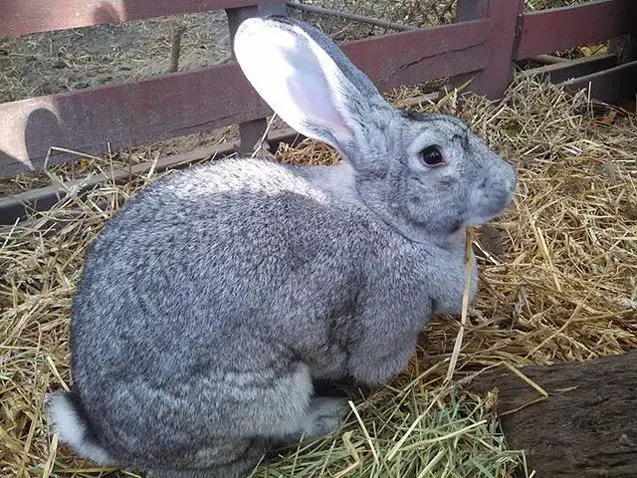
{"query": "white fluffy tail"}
(72, 428)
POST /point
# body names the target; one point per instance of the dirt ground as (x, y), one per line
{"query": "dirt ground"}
(50, 63)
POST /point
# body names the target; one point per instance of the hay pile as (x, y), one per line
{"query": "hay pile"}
(558, 283)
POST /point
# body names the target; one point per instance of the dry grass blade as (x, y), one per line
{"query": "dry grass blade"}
(527, 380)
(365, 432)
(468, 260)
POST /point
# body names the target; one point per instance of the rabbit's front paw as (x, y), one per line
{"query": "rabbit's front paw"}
(324, 416)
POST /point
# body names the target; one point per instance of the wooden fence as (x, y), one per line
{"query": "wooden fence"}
(487, 39)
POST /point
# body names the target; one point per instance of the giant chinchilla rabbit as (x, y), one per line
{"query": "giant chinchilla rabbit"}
(214, 300)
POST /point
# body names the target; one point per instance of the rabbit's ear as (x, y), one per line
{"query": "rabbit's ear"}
(306, 79)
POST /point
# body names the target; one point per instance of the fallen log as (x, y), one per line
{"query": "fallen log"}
(585, 427)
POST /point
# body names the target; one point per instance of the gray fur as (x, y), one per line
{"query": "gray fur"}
(214, 298)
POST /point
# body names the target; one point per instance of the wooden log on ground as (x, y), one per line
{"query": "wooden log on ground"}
(585, 428)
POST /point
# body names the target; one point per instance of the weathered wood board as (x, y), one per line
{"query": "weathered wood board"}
(587, 427)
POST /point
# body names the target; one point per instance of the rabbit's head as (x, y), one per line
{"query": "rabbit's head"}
(427, 175)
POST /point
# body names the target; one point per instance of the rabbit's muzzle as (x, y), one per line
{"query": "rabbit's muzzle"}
(494, 193)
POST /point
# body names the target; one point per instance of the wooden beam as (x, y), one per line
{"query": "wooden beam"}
(250, 132)
(493, 80)
(586, 426)
(468, 10)
(123, 115)
(567, 70)
(17, 206)
(609, 86)
(20, 17)
(126, 115)
(547, 31)
(413, 57)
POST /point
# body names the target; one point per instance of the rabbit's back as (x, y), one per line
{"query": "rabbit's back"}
(225, 271)
(194, 258)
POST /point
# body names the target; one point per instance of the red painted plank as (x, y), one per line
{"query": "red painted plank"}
(493, 80)
(19, 17)
(422, 55)
(547, 31)
(131, 114)
(123, 115)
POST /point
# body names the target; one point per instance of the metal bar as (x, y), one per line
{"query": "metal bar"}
(547, 31)
(349, 16)
(548, 59)
(20, 17)
(609, 86)
(250, 132)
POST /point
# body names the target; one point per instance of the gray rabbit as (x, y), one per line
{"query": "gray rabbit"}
(213, 301)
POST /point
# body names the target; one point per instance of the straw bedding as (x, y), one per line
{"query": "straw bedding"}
(558, 283)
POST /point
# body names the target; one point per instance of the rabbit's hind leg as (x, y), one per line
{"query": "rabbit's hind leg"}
(284, 410)
(277, 415)
(287, 411)
(323, 417)
(239, 467)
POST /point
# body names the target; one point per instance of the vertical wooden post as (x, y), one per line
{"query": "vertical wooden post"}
(504, 17)
(250, 132)
(471, 10)
(624, 48)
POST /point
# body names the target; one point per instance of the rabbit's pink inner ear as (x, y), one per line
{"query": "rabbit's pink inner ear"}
(295, 77)
(310, 101)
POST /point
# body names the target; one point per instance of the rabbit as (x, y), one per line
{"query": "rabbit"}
(215, 298)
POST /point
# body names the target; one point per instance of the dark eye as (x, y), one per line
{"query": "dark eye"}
(432, 155)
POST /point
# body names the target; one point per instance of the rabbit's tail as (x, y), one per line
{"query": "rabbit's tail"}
(67, 418)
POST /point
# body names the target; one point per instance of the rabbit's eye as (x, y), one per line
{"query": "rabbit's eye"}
(432, 155)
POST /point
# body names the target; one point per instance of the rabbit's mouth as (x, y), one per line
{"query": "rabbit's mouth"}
(489, 204)
(492, 196)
